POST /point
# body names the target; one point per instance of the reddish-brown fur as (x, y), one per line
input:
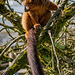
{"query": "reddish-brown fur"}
(39, 13)
(32, 53)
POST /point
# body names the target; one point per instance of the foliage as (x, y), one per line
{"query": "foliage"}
(58, 58)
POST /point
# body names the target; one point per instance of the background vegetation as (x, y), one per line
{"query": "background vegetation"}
(57, 55)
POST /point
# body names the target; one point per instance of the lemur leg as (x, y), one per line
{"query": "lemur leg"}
(45, 18)
(26, 22)
(35, 20)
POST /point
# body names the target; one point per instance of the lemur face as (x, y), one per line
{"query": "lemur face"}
(28, 4)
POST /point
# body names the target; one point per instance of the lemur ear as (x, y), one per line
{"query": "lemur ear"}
(53, 6)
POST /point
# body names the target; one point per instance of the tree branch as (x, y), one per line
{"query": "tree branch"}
(17, 63)
(54, 52)
(14, 18)
(11, 44)
(57, 21)
(6, 26)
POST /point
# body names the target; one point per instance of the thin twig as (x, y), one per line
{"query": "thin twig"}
(15, 60)
(49, 32)
(18, 1)
(2, 29)
(9, 34)
(6, 26)
(52, 59)
(9, 5)
(11, 44)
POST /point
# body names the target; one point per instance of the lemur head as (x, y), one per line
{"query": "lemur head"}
(31, 2)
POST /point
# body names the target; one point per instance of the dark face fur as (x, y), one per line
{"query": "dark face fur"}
(28, 2)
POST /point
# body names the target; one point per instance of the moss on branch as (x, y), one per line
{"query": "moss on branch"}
(18, 65)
